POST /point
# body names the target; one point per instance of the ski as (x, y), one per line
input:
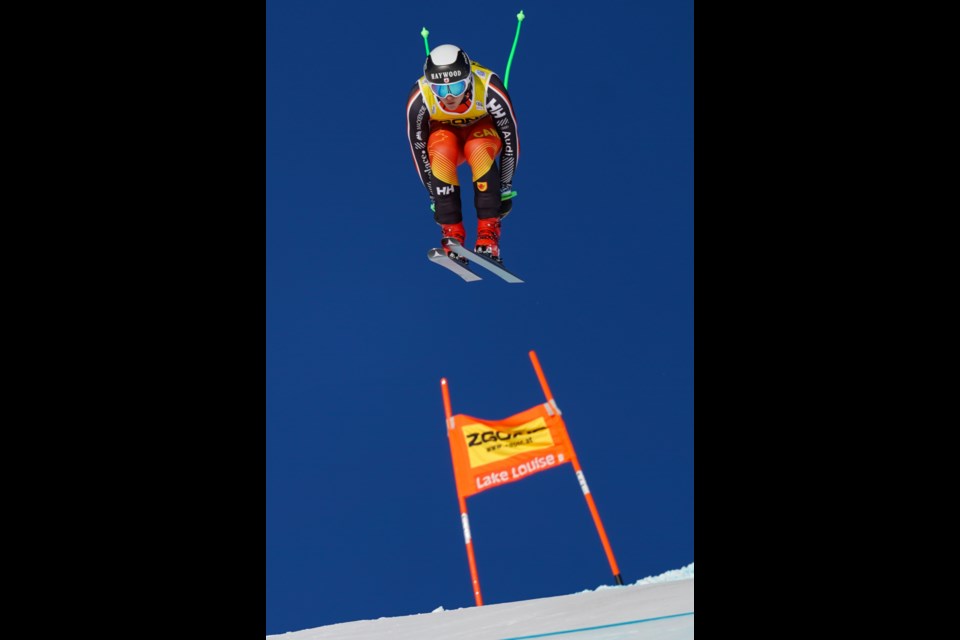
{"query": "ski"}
(484, 262)
(439, 256)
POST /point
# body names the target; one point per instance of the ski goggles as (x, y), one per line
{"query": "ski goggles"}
(455, 89)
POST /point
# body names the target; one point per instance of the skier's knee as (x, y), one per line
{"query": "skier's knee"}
(448, 211)
(486, 194)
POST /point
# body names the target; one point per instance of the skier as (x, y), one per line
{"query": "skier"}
(459, 111)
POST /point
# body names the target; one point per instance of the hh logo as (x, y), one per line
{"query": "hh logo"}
(444, 191)
(481, 186)
(484, 133)
(496, 109)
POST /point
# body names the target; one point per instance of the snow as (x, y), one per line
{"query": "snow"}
(654, 608)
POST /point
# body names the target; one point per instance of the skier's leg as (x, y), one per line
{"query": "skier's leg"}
(481, 149)
(443, 149)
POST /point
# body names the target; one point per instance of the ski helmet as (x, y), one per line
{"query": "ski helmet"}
(446, 64)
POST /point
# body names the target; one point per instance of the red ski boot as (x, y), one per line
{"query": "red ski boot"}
(488, 239)
(458, 233)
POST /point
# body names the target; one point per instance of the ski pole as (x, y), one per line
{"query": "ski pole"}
(506, 79)
(425, 33)
(506, 76)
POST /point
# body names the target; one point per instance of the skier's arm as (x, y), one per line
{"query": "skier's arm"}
(500, 108)
(418, 129)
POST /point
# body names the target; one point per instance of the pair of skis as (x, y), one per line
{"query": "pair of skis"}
(440, 257)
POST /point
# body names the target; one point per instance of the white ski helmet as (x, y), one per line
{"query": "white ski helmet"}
(446, 64)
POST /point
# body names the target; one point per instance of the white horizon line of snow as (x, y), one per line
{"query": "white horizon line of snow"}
(683, 573)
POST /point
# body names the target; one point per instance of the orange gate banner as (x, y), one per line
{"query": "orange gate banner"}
(489, 453)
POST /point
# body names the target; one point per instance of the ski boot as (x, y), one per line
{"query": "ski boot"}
(458, 233)
(488, 239)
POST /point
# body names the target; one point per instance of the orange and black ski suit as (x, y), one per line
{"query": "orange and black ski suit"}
(441, 140)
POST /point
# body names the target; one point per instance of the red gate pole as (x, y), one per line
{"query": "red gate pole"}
(464, 519)
(580, 477)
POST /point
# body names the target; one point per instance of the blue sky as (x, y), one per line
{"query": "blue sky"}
(361, 509)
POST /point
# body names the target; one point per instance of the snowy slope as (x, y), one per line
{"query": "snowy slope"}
(658, 608)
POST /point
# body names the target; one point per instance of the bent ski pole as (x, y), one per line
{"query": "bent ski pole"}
(506, 75)
(506, 79)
